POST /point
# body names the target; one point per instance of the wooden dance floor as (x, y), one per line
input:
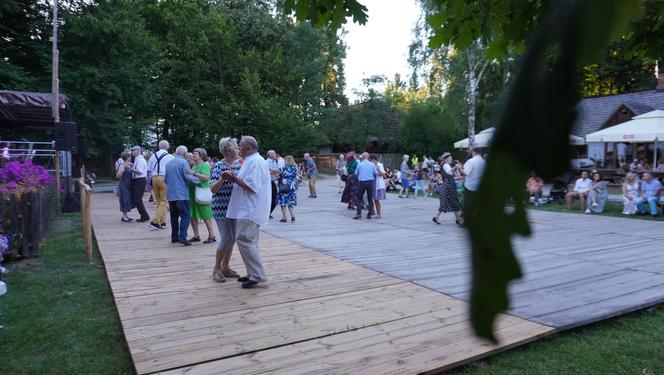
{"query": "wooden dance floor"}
(373, 297)
(318, 314)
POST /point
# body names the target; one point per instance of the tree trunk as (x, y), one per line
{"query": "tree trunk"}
(472, 98)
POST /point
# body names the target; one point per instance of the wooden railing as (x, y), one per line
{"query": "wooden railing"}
(25, 218)
(86, 217)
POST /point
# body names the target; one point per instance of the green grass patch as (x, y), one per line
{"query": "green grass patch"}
(631, 344)
(58, 314)
(610, 209)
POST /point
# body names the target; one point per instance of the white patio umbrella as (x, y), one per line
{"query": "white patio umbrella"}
(483, 139)
(645, 128)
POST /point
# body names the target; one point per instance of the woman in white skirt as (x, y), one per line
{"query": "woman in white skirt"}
(630, 190)
(379, 184)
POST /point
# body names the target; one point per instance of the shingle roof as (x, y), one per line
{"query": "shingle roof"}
(594, 112)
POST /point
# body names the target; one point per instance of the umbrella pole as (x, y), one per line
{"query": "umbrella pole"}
(654, 165)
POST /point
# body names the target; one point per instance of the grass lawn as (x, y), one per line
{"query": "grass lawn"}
(632, 344)
(58, 314)
(610, 209)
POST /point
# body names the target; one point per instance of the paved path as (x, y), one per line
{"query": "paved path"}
(578, 268)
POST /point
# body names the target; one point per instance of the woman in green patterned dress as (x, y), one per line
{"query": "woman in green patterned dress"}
(197, 211)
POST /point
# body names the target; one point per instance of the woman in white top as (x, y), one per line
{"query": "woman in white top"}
(630, 190)
(379, 184)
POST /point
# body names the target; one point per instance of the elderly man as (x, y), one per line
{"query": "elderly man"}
(157, 165)
(138, 182)
(177, 174)
(473, 169)
(275, 171)
(366, 175)
(312, 172)
(250, 206)
(405, 173)
(651, 190)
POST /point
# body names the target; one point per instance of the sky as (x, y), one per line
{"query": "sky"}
(381, 45)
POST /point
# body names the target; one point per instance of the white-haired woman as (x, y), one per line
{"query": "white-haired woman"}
(221, 190)
(341, 171)
(199, 211)
(288, 198)
(630, 189)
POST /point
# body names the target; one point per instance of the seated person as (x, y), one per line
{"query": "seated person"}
(534, 187)
(598, 195)
(660, 166)
(651, 189)
(581, 190)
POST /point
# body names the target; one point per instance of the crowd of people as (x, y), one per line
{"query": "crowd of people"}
(239, 192)
(363, 181)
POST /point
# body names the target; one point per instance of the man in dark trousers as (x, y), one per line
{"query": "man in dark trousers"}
(366, 175)
(138, 182)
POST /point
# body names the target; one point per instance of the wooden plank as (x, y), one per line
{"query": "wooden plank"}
(175, 316)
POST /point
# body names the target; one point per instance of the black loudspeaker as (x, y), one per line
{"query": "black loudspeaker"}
(82, 147)
(65, 136)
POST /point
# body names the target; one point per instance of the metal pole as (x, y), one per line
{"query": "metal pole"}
(54, 66)
(654, 165)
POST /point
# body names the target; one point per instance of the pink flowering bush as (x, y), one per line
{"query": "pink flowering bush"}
(18, 177)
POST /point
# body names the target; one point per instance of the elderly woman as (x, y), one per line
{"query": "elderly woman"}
(221, 190)
(630, 190)
(598, 195)
(200, 211)
(124, 174)
(446, 188)
(350, 190)
(341, 171)
(288, 198)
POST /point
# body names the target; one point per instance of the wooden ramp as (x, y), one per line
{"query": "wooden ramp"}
(317, 314)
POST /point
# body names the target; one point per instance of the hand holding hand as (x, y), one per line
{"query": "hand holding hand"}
(227, 175)
(190, 171)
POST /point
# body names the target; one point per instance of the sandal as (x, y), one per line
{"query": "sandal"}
(230, 273)
(195, 239)
(292, 219)
(125, 220)
(210, 240)
(283, 220)
(435, 220)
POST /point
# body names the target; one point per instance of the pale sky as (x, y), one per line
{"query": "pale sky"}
(381, 45)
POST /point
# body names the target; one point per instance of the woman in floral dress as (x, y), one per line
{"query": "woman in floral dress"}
(350, 191)
(289, 177)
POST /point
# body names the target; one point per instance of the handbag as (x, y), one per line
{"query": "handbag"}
(203, 195)
(344, 177)
(282, 187)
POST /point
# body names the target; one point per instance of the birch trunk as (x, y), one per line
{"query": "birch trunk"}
(472, 98)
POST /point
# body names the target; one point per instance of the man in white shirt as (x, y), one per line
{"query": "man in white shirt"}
(581, 189)
(473, 169)
(157, 166)
(138, 182)
(250, 205)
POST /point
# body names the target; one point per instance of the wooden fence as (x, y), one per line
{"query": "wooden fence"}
(86, 217)
(328, 162)
(25, 220)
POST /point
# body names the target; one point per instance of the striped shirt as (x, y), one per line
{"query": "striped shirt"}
(223, 196)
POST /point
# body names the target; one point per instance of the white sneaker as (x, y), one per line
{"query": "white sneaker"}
(595, 204)
(587, 210)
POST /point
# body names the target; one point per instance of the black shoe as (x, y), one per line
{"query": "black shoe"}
(357, 217)
(210, 240)
(292, 219)
(125, 220)
(154, 226)
(271, 217)
(163, 226)
(243, 279)
(195, 239)
(185, 243)
(368, 217)
(142, 220)
(175, 241)
(249, 284)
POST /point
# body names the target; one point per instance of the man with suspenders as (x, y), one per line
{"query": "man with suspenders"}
(157, 165)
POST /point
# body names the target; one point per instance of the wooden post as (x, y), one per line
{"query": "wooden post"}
(56, 160)
(86, 217)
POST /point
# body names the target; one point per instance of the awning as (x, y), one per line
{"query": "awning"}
(30, 109)
(483, 139)
(648, 127)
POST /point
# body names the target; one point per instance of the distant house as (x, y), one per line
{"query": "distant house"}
(605, 111)
(387, 125)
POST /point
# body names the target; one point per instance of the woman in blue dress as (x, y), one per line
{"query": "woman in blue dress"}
(289, 178)
(124, 174)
